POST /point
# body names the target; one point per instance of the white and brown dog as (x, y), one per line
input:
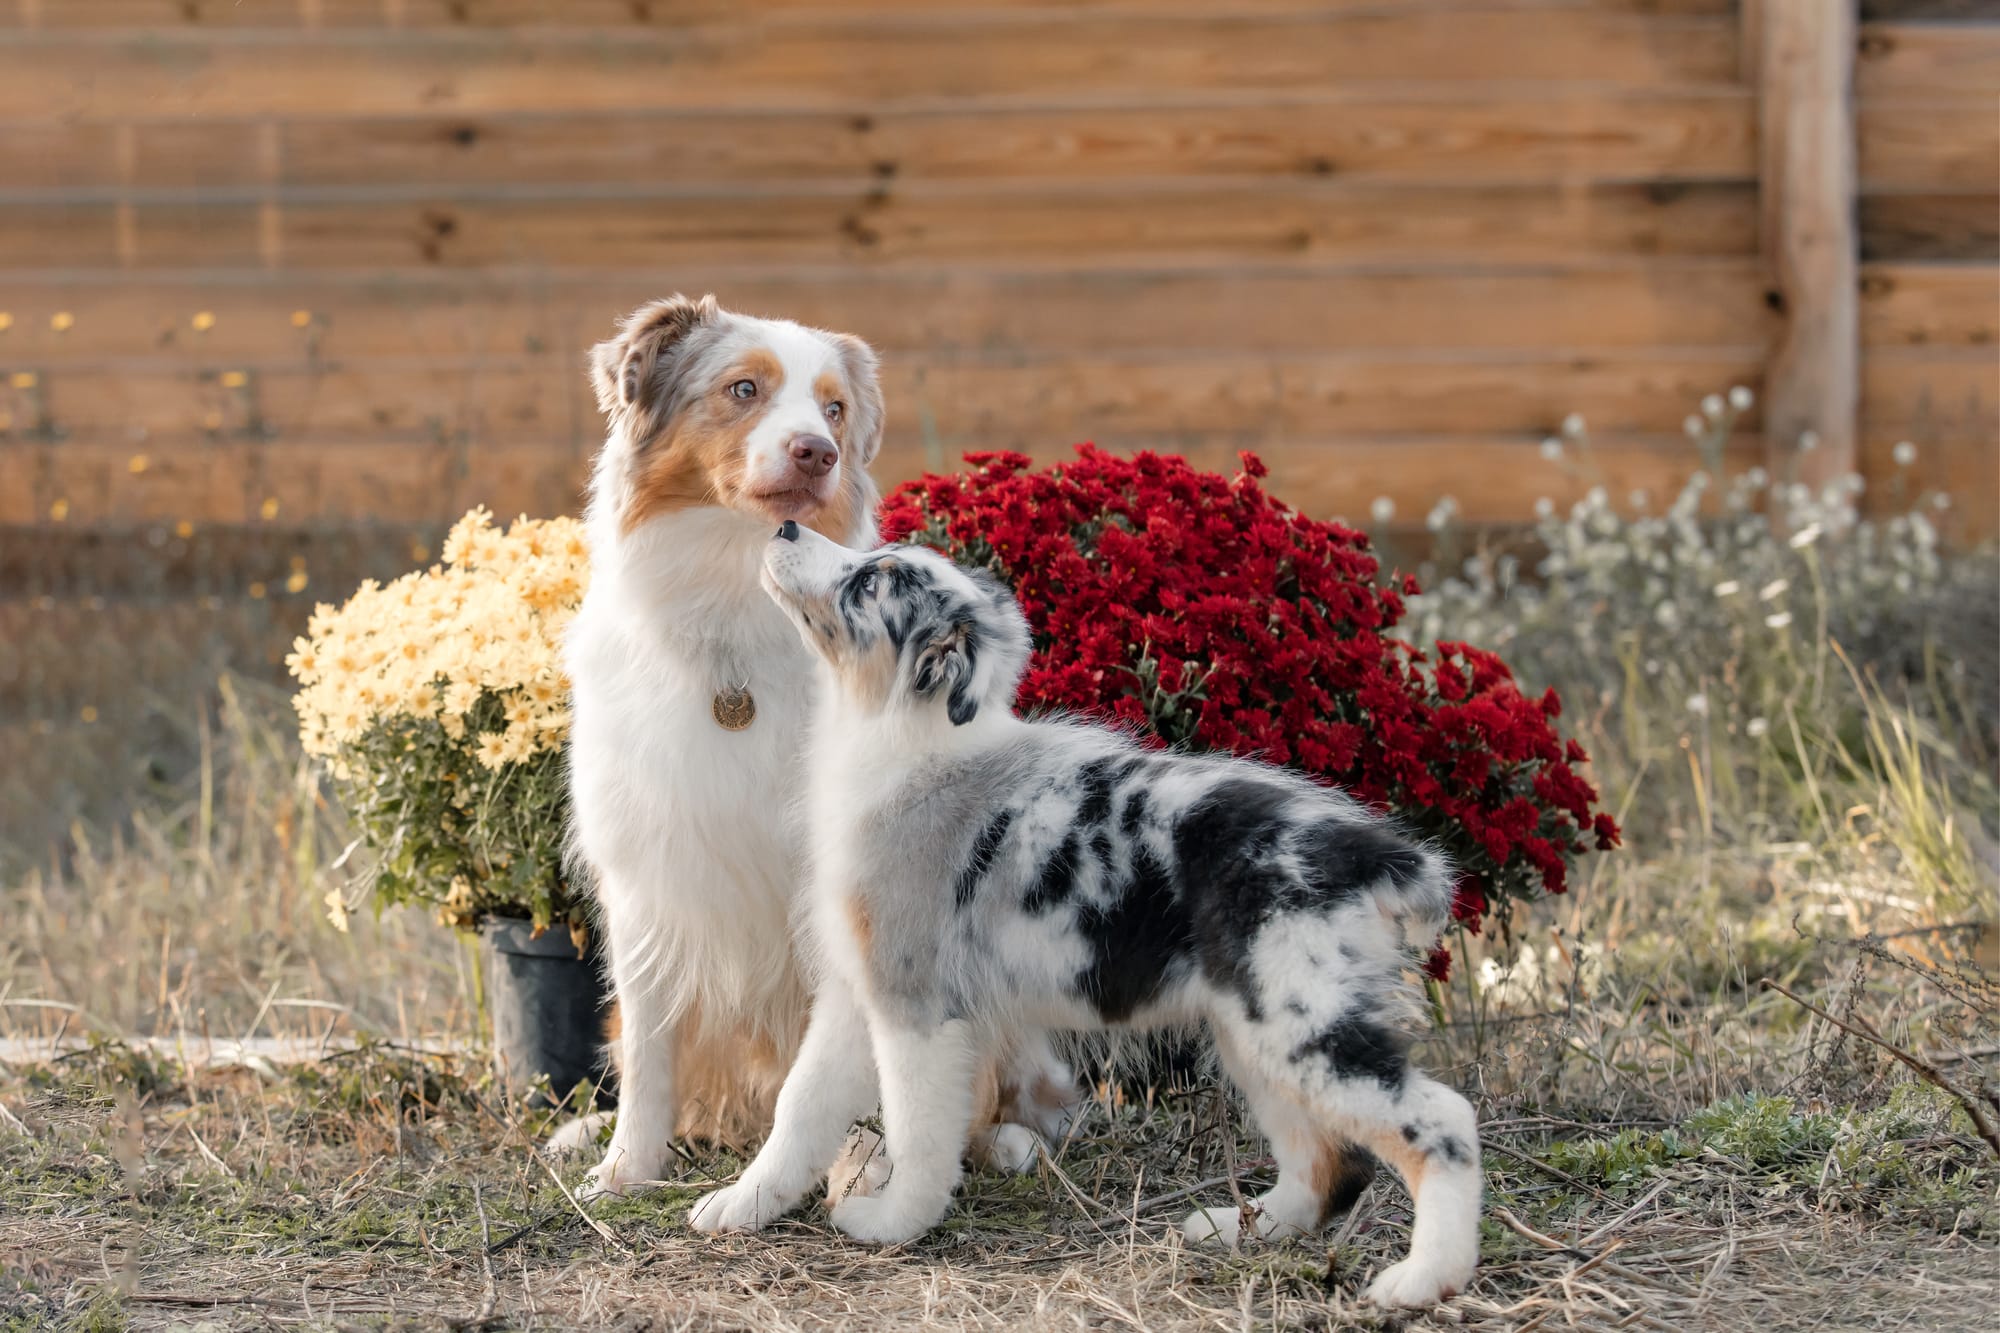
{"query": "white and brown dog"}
(691, 695)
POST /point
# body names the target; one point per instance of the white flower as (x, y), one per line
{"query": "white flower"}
(1711, 407)
(1779, 621)
(1940, 501)
(1904, 453)
(1808, 441)
(1573, 425)
(1775, 588)
(1757, 476)
(1552, 448)
(1383, 509)
(1545, 507)
(1698, 705)
(1694, 427)
(1728, 588)
(1741, 398)
(1758, 726)
(1805, 536)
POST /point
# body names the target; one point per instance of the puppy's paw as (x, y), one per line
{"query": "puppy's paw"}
(1214, 1226)
(862, 1168)
(1415, 1284)
(877, 1219)
(1014, 1149)
(745, 1206)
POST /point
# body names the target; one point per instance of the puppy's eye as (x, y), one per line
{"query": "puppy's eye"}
(868, 584)
(835, 410)
(743, 389)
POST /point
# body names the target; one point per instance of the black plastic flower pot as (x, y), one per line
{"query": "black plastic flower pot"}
(548, 1007)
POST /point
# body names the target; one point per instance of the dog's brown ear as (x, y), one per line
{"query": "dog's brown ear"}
(624, 370)
(864, 414)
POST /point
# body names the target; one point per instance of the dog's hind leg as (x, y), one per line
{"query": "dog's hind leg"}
(1351, 1079)
(1037, 1102)
(831, 1083)
(927, 1102)
(1320, 1175)
(1431, 1136)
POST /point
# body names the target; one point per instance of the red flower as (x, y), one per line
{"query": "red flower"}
(1199, 609)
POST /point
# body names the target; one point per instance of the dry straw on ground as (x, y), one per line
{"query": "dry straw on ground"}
(1669, 1144)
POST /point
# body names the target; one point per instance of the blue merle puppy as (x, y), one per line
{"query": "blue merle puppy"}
(976, 874)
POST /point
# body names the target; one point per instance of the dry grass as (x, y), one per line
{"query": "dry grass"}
(1668, 1144)
(380, 1191)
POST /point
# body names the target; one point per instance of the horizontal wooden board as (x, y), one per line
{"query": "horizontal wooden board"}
(54, 78)
(1933, 10)
(961, 405)
(1931, 226)
(1132, 226)
(312, 14)
(1927, 60)
(83, 482)
(1926, 305)
(224, 318)
(1496, 140)
(1494, 478)
(1931, 392)
(1929, 146)
(526, 398)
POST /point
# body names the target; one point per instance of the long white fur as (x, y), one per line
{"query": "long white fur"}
(685, 828)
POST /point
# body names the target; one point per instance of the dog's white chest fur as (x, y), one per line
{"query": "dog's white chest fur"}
(688, 825)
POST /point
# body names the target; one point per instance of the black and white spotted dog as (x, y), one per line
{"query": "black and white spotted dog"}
(976, 874)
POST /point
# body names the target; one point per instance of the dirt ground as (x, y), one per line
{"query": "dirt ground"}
(381, 1190)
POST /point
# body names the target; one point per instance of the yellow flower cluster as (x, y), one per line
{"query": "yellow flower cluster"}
(489, 620)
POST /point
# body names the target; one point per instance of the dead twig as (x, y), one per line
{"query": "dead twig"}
(1976, 1107)
(491, 1299)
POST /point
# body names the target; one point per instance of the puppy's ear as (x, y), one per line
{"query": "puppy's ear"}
(624, 369)
(947, 663)
(864, 414)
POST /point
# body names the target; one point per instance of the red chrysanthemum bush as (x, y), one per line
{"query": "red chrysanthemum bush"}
(1201, 609)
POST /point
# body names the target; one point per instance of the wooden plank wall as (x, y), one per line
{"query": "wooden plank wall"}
(1927, 128)
(305, 262)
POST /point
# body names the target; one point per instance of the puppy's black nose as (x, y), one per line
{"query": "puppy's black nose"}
(789, 530)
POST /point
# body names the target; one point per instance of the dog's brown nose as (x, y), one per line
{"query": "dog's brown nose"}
(814, 455)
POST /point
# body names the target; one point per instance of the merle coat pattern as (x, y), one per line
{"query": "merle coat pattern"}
(975, 872)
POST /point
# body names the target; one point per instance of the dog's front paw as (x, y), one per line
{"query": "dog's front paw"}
(877, 1219)
(747, 1205)
(577, 1137)
(1415, 1284)
(614, 1177)
(862, 1167)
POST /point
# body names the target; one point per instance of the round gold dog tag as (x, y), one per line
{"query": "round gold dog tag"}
(733, 709)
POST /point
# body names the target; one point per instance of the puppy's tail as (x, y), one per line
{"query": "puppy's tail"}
(1411, 883)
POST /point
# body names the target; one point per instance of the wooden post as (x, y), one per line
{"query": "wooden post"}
(1805, 97)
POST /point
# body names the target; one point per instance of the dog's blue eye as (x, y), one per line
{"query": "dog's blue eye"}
(743, 389)
(833, 410)
(868, 582)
